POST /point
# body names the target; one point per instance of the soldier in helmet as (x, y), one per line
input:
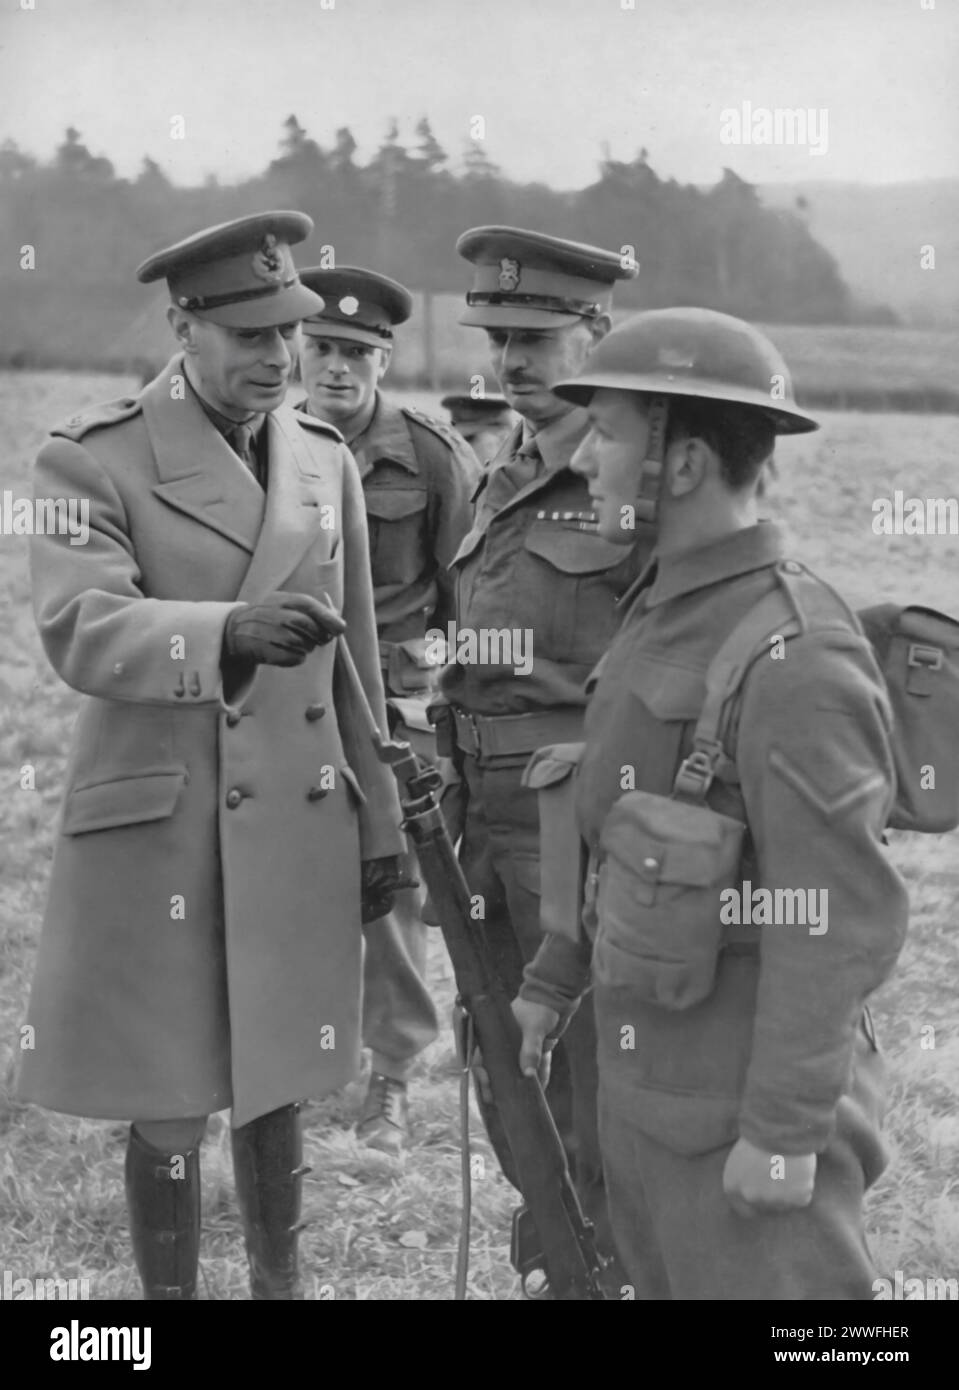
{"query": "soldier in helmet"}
(418, 475)
(534, 562)
(739, 1072)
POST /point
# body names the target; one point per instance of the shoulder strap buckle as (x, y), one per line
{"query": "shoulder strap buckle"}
(697, 772)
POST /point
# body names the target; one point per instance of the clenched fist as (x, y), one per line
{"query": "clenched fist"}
(281, 629)
(756, 1182)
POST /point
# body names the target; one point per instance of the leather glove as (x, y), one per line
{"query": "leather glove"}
(280, 630)
(380, 880)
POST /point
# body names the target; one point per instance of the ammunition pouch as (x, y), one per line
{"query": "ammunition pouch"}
(662, 866)
(407, 666)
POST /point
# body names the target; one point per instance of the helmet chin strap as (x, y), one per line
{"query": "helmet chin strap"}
(651, 472)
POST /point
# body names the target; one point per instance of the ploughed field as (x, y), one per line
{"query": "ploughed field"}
(386, 1229)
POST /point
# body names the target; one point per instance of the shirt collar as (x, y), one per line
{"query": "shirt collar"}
(672, 576)
(387, 436)
(222, 423)
(559, 439)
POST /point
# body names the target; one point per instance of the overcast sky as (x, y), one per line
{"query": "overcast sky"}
(553, 80)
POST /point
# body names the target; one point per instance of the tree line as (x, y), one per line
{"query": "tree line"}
(400, 213)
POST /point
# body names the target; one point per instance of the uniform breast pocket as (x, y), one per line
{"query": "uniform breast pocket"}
(464, 569)
(572, 579)
(397, 524)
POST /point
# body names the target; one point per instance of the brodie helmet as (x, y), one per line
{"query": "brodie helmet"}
(696, 353)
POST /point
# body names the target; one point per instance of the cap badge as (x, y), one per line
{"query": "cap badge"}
(675, 357)
(348, 305)
(508, 275)
(267, 264)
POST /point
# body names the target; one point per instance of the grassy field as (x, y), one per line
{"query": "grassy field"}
(823, 358)
(387, 1230)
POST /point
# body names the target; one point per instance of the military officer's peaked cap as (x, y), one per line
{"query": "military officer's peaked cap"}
(692, 352)
(472, 413)
(239, 274)
(357, 304)
(531, 280)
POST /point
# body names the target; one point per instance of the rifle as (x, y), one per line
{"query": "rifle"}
(551, 1236)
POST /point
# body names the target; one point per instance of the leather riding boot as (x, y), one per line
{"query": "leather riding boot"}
(268, 1169)
(164, 1213)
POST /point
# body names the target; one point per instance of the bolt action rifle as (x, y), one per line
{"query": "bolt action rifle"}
(552, 1240)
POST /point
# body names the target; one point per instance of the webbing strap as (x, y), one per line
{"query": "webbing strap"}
(777, 613)
(651, 472)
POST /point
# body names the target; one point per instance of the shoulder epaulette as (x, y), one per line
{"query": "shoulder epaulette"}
(438, 427)
(817, 603)
(99, 417)
(323, 426)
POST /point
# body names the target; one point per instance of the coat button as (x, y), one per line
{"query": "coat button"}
(316, 793)
(233, 718)
(233, 798)
(314, 712)
(650, 864)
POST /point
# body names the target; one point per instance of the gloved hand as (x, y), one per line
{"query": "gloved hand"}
(380, 880)
(281, 629)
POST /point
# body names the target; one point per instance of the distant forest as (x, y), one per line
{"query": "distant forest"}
(400, 213)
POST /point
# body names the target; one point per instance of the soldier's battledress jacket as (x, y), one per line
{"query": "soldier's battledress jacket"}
(778, 1050)
(202, 941)
(534, 561)
(418, 476)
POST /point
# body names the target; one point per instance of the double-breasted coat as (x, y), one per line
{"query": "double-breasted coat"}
(201, 946)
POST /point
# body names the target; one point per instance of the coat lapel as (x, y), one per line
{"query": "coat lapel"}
(200, 475)
(299, 486)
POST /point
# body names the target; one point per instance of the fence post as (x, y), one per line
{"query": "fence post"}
(429, 343)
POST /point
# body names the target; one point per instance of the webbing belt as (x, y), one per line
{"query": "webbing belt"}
(487, 737)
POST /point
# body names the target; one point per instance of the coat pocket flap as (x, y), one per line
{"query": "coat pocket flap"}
(668, 691)
(393, 503)
(123, 801)
(552, 765)
(574, 551)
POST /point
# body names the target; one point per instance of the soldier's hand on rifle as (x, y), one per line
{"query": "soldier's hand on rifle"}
(280, 629)
(756, 1182)
(537, 1022)
(380, 881)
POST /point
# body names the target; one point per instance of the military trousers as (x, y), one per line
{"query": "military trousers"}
(399, 1016)
(499, 854)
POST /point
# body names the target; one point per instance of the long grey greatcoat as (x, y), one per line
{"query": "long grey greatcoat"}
(202, 943)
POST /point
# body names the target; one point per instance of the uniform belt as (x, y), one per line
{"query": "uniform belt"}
(486, 736)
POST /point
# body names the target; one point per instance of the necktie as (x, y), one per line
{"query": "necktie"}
(525, 465)
(240, 439)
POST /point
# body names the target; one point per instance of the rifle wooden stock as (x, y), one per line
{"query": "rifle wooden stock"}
(570, 1260)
